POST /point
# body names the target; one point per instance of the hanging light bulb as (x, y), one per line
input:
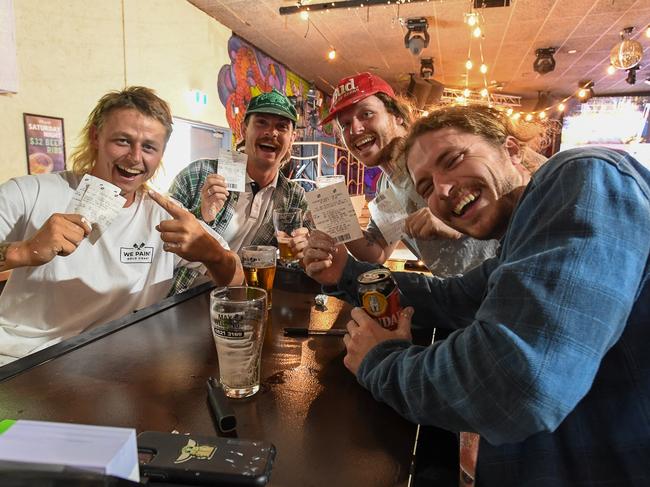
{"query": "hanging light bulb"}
(509, 111)
(528, 117)
(466, 92)
(331, 55)
(611, 70)
(484, 92)
(516, 116)
(304, 15)
(471, 19)
(542, 115)
(561, 107)
(476, 32)
(469, 64)
(483, 68)
(582, 93)
(647, 31)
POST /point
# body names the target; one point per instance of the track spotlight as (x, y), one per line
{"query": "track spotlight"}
(426, 67)
(631, 75)
(544, 62)
(417, 36)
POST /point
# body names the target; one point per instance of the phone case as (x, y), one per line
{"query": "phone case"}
(201, 460)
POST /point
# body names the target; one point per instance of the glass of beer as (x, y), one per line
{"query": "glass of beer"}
(258, 262)
(285, 222)
(238, 319)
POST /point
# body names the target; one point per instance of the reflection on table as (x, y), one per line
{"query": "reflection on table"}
(149, 372)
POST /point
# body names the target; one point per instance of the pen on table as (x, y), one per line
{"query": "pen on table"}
(301, 332)
(226, 420)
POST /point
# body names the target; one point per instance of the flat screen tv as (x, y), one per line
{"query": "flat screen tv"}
(621, 122)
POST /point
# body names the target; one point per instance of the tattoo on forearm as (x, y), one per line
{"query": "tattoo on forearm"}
(3, 252)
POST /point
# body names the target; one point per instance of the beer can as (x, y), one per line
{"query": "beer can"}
(379, 296)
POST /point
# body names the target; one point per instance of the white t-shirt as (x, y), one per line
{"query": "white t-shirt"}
(125, 270)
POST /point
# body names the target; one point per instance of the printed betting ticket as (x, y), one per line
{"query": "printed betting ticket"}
(389, 215)
(232, 166)
(98, 201)
(333, 213)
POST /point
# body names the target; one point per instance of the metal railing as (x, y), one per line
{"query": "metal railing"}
(312, 159)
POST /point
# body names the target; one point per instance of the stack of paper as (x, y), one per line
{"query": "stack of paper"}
(100, 449)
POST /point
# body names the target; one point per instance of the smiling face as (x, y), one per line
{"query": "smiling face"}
(129, 148)
(268, 139)
(469, 183)
(366, 127)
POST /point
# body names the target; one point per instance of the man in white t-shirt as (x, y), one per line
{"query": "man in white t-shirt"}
(62, 282)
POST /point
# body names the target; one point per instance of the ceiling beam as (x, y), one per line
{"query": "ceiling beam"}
(317, 7)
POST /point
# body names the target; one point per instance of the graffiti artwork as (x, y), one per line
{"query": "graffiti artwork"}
(252, 72)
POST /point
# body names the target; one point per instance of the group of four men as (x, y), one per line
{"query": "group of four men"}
(547, 362)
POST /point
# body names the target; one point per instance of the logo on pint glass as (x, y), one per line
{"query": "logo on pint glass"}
(196, 451)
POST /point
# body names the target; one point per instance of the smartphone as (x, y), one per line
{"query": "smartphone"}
(204, 460)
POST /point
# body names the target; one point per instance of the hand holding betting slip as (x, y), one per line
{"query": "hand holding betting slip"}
(213, 196)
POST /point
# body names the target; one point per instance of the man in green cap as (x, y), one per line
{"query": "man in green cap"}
(247, 218)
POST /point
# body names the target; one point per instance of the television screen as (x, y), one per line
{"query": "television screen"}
(620, 122)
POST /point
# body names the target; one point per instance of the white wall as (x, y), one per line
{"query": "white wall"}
(71, 52)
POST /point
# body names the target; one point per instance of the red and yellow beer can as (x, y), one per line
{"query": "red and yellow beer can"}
(379, 296)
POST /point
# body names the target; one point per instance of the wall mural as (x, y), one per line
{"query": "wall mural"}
(252, 72)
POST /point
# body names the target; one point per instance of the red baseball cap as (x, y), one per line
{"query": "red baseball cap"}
(353, 89)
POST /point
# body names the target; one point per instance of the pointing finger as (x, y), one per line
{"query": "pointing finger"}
(169, 205)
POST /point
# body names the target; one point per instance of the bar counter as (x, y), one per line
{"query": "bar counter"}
(148, 371)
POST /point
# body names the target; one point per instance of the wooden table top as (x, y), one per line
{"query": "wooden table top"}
(150, 374)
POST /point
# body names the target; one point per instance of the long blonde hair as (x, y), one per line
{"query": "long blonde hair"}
(142, 99)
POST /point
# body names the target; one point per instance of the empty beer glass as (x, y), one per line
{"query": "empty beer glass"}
(258, 262)
(238, 317)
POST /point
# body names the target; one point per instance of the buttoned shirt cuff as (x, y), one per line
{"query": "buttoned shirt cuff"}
(375, 356)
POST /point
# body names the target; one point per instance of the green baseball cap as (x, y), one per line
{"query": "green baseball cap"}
(273, 102)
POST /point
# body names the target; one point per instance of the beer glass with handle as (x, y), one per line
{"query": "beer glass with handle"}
(258, 262)
(285, 222)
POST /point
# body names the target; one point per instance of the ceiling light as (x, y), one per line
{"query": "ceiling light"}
(544, 62)
(304, 15)
(647, 31)
(561, 107)
(466, 92)
(469, 64)
(586, 90)
(611, 69)
(483, 68)
(484, 93)
(471, 19)
(476, 32)
(572, 51)
(426, 68)
(417, 35)
(331, 55)
(627, 53)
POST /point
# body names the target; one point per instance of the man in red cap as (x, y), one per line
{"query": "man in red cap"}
(368, 117)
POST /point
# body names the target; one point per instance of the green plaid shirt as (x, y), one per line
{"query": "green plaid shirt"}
(186, 188)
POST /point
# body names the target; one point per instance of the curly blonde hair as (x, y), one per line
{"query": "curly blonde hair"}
(492, 124)
(139, 98)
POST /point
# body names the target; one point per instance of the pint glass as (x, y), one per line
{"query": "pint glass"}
(238, 318)
(258, 262)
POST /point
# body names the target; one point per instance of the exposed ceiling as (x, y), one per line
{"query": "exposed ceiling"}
(371, 38)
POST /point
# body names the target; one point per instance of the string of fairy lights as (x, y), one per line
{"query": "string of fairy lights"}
(476, 25)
